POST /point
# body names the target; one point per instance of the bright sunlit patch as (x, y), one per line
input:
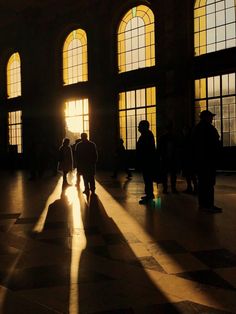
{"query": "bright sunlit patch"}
(52, 197)
(78, 244)
(77, 116)
(126, 224)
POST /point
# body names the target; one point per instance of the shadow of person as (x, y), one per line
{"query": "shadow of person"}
(113, 276)
(44, 267)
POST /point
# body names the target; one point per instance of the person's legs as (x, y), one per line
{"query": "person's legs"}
(148, 182)
(86, 183)
(92, 183)
(78, 177)
(64, 183)
(206, 182)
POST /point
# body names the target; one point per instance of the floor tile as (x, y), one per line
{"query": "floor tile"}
(217, 258)
(208, 277)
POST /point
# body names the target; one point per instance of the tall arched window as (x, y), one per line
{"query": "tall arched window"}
(214, 25)
(14, 76)
(136, 39)
(75, 60)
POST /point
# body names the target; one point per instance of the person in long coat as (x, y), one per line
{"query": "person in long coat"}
(86, 158)
(145, 150)
(206, 146)
(65, 163)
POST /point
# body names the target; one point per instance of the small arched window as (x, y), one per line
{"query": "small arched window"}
(136, 39)
(14, 76)
(75, 60)
(214, 25)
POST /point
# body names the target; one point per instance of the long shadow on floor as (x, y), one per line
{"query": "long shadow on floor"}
(39, 279)
(112, 278)
(161, 220)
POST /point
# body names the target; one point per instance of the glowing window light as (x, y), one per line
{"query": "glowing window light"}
(14, 76)
(77, 116)
(218, 94)
(214, 25)
(75, 63)
(15, 129)
(136, 39)
(134, 106)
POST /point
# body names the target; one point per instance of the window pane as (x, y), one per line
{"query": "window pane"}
(136, 40)
(75, 58)
(15, 129)
(143, 104)
(217, 19)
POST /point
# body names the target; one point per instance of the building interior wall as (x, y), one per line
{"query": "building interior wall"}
(38, 30)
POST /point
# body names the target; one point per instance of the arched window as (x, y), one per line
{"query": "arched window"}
(14, 76)
(214, 25)
(75, 63)
(136, 39)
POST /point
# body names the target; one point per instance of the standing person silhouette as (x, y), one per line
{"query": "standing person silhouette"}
(145, 150)
(86, 158)
(65, 160)
(206, 152)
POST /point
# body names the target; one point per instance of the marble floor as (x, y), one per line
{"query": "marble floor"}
(63, 253)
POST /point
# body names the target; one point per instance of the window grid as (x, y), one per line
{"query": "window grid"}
(218, 94)
(134, 106)
(214, 25)
(136, 39)
(15, 129)
(14, 76)
(75, 63)
(77, 116)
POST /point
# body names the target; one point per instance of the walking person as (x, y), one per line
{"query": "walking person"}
(145, 150)
(206, 152)
(86, 158)
(65, 160)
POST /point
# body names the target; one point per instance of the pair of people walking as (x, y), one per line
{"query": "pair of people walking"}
(85, 156)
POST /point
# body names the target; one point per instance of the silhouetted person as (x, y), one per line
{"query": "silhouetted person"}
(120, 160)
(145, 150)
(74, 146)
(188, 170)
(206, 152)
(167, 147)
(86, 158)
(65, 160)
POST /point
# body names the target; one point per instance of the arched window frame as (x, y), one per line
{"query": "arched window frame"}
(145, 13)
(214, 25)
(78, 71)
(14, 76)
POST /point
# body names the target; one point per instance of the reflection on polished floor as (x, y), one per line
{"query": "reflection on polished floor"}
(63, 253)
